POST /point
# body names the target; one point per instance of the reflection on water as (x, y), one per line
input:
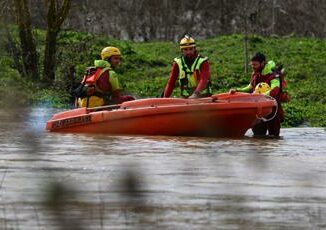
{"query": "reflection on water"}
(117, 182)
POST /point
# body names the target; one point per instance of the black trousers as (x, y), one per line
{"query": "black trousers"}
(273, 126)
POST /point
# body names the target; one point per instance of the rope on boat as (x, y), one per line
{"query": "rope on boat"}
(268, 119)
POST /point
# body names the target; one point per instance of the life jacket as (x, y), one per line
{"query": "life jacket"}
(269, 73)
(90, 102)
(189, 77)
(88, 94)
(280, 74)
(91, 78)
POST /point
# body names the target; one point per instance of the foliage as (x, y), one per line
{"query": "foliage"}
(146, 66)
(52, 98)
(13, 90)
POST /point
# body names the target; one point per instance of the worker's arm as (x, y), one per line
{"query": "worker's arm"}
(172, 79)
(205, 74)
(245, 89)
(117, 98)
(275, 88)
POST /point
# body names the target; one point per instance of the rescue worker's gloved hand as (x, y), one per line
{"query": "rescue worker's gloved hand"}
(232, 91)
(126, 98)
(129, 97)
(194, 95)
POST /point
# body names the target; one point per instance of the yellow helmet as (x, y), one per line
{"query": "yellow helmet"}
(187, 42)
(109, 51)
(262, 88)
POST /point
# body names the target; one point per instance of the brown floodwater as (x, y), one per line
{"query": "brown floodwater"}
(78, 181)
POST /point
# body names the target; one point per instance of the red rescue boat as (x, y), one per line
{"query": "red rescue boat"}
(222, 115)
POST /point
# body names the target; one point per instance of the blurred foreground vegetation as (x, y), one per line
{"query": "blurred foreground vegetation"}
(146, 66)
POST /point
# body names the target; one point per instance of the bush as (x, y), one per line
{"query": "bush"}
(145, 68)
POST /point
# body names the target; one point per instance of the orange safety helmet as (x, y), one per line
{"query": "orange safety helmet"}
(187, 42)
(110, 51)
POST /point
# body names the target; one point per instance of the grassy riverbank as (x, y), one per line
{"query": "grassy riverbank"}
(146, 66)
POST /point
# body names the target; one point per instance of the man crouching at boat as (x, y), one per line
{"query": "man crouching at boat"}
(100, 85)
(191, 71)
(266, 76)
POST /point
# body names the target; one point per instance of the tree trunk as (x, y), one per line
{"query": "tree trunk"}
(14, 52)
(55, 18)
(246, 37)
(49, 57)
(27, 43)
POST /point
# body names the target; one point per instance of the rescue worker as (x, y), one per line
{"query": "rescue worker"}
(266, 72)
(100, 85)
(191, 70)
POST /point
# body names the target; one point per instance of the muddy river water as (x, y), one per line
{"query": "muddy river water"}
(74, 181)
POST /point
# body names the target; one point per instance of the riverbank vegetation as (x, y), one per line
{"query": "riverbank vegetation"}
(146, 65)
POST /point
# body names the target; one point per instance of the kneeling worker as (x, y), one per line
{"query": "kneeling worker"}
(100, 85)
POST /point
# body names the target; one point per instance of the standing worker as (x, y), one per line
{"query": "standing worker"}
(269, 80)
(191, 71)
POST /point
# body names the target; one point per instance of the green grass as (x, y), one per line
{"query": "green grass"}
(146, 66)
